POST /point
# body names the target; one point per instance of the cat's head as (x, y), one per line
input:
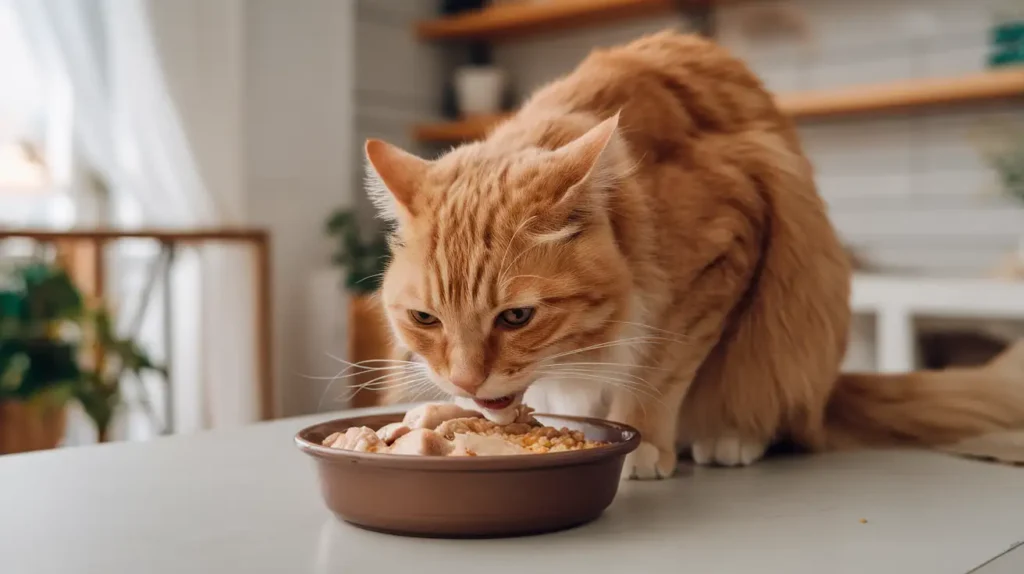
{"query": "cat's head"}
(503, 259)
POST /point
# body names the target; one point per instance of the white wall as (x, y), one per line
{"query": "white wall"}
(287, 105)
(911, 191)
(272, 84)
(298, 148)
(908, 192)
(399, 80)
(201, 47)
(536, 60)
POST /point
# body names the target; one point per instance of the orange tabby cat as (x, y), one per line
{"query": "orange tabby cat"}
(644, 241)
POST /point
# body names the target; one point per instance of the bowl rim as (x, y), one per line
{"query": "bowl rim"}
(474, 463)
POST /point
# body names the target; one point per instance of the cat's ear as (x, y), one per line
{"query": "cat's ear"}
(393, 176)
(594, 161)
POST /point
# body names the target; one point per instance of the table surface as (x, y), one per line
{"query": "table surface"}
(246, 500)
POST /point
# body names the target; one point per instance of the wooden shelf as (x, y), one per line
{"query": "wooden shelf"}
(535, 16)
(992, 85)
(456, 131)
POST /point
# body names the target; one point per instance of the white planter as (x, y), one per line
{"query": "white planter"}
(479, 89)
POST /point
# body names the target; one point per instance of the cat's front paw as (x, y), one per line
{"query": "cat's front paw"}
(728, 450)
(648, 462)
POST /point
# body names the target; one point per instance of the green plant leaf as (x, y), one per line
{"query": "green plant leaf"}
(38, 361)
(363, 255)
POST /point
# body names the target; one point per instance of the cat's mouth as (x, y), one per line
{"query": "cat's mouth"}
(497, 404)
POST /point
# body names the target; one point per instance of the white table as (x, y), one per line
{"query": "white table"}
(896, 303)
(246, 501)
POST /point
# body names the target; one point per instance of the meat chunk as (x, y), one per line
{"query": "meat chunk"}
(444, 429)
(484, 445)
(524, 415)
(361, 439)
(430, 415)
(391, 432)
(422, 442)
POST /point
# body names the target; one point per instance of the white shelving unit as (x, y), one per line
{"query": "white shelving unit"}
(895, 303)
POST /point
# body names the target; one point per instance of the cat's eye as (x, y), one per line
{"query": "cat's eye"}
(423, 318)
(515, 318)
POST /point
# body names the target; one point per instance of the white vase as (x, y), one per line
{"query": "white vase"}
(479, 89)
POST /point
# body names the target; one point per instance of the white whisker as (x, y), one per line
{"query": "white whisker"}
(413, 382)
(638, 385)
(371, 361)
(342, 374)
(635, 390)
(388, 364)
(627, 365)
(518, 257)
(652, 328)
(384, 381)
(397, 371)
(514, 277)
(617, 375)
(501, 264)
(605, 345)
(370, 277)
(422, 390)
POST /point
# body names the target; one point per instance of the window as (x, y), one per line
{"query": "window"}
(35, 135)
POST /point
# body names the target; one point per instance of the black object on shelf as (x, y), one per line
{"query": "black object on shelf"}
(480, 54)
(452, 7)
(449, 103)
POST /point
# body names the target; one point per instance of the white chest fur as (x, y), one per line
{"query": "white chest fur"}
(568, 396)
(591, 378)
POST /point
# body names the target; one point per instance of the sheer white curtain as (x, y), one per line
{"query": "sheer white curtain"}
(153, 138)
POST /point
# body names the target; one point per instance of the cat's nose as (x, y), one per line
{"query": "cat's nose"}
(469, 380)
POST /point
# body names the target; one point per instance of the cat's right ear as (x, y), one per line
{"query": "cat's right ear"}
(393, 176)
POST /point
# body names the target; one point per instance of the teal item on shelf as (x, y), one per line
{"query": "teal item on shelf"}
(1011, 32)
(1006, 36)
(1005, 58)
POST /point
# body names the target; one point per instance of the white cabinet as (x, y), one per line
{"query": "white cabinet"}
(888, 310)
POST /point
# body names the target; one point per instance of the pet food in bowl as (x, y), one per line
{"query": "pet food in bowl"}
(440, 472)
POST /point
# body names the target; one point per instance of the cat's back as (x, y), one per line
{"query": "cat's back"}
(669, 87)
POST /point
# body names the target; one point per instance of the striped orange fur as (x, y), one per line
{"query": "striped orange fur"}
(656, 212)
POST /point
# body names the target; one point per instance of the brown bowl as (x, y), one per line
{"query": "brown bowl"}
(483, 496)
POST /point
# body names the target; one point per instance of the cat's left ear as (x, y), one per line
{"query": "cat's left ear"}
(393, 177)
(594, 161)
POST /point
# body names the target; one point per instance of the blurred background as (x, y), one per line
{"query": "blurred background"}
(185, 244)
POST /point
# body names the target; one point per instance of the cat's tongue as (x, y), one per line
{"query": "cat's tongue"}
(498, 404)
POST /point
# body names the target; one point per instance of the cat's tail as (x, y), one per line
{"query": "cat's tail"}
(927, 408)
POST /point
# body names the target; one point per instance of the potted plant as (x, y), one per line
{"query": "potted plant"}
(99, 390)
(479, 85)
(38, 370)
(363, 255)
(54, 349)
(1004, 151)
